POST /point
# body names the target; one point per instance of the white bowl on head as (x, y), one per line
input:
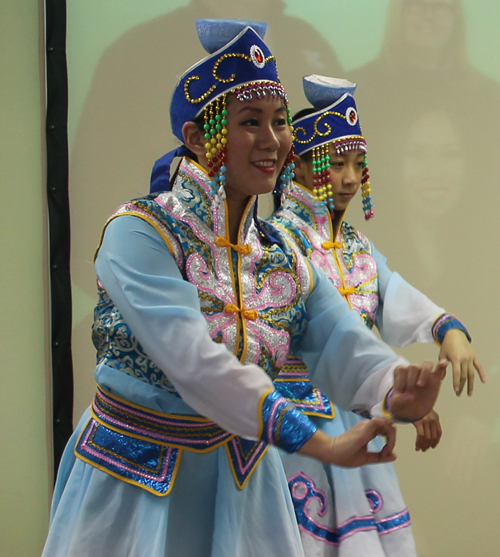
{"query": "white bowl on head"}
(322, 91)
(216, 33)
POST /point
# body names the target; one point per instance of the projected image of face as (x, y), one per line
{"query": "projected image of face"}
(428, 24)
(433, 166)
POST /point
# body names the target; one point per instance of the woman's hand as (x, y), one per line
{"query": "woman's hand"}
(428, 432)
(350, 449)
(457, 349)
(415, 391)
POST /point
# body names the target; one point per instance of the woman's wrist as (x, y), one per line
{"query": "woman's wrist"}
(388, 412)
(319, 446)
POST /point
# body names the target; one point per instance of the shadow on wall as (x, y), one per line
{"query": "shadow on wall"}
(431, 121)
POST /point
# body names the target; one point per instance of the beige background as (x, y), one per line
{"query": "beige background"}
(428, 101)
(24, 448)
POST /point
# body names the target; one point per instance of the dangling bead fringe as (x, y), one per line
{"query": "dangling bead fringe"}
(287, 175)
(215, 134)
(346, 144)
(323, 190)
(259, 90)
(366, 193)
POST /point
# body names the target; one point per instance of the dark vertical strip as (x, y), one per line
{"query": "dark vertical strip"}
(59, 224)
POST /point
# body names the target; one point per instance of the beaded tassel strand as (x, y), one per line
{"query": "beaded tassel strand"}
(323, 190)
(215, 115)
(366, 193)
(287, 173)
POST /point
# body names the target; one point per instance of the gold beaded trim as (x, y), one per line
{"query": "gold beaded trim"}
(214, 74)
(346, 138)
(317, 133)
(199, 99)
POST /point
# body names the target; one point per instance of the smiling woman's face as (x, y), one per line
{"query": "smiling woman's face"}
(258, 141)
(433, 166)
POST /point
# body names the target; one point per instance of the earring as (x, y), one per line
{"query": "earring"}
(287, 175)
(287, 172)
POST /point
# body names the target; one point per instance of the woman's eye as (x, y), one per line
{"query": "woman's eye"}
(337, 164)
(250, 122)
(280, 122)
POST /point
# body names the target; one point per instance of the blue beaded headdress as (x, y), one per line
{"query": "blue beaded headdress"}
(239, 63)
(244, 66)
(334, 122)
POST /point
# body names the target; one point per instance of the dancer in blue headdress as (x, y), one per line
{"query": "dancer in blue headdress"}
(351, 512)
(199, 306)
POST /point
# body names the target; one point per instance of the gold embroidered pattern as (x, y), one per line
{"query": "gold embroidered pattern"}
(230, 79)
(317, 132)
(199, 99)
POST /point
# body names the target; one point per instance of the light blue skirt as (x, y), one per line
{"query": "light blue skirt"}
(348, 512)
(95, 514)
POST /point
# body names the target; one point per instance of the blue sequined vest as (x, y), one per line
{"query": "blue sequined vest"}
(346, 260)
(252, 294)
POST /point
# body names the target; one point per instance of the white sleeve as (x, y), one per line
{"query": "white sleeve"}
(405, 314)
(141, 277)
(345, 359)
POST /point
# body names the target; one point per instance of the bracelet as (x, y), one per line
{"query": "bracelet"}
(445, 323)
(387, 412)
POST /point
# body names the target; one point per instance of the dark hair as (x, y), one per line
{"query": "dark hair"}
(302, 113)
(306, 157)
(200, 122)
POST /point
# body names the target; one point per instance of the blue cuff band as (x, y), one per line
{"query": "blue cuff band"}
(445, 323)
(283, 425)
